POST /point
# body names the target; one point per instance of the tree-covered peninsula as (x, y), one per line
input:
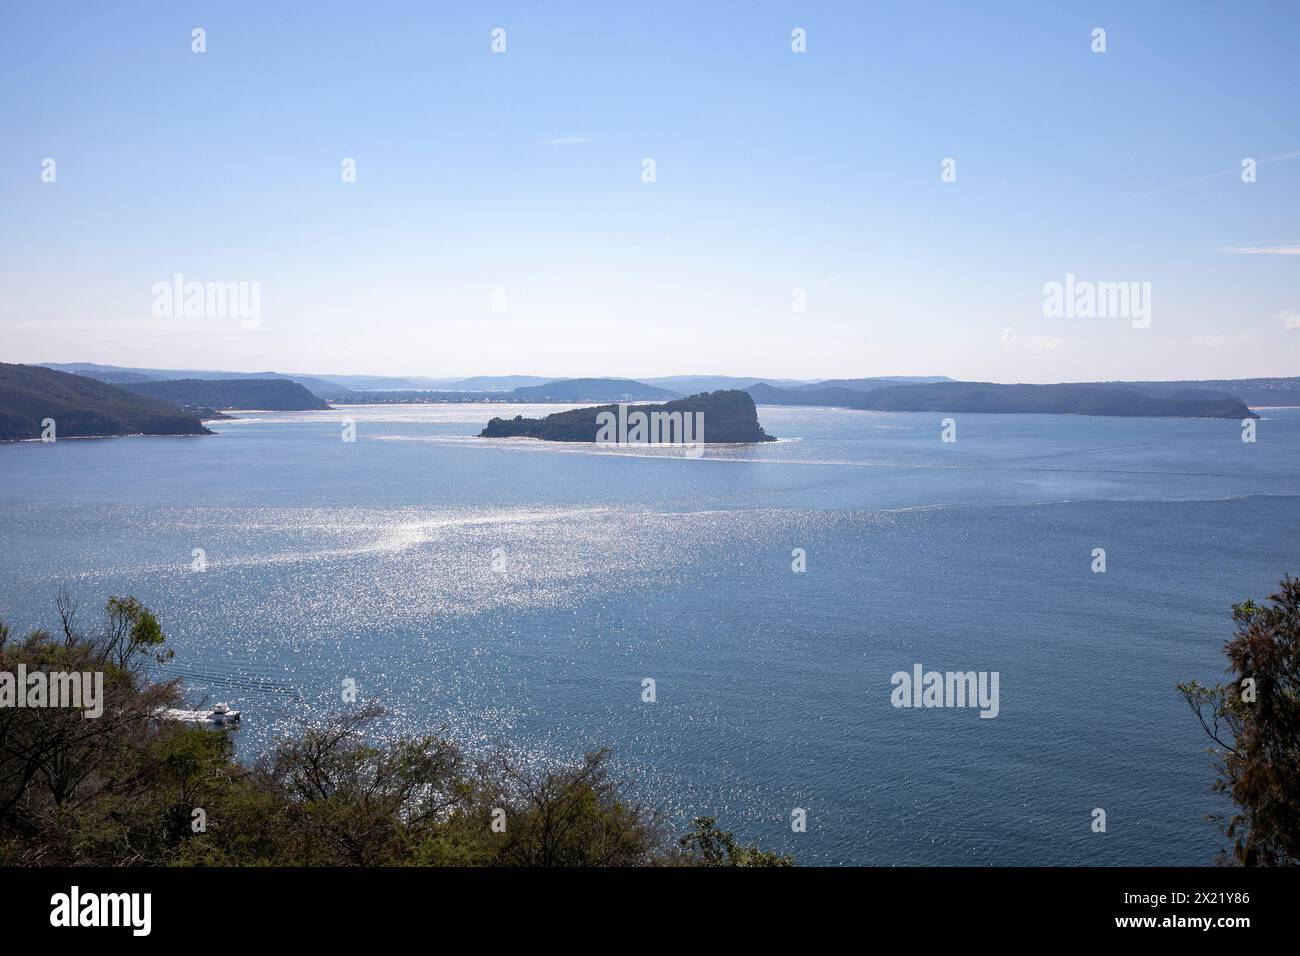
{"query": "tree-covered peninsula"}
(81, 407)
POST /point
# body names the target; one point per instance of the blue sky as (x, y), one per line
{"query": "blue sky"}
(775, 171)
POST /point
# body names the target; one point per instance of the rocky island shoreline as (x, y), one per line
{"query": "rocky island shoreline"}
(725, 417)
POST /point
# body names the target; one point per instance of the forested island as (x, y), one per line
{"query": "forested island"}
(728, 416)
(81, 407)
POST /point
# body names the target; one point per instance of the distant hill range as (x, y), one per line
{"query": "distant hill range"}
(694, 384)
(365, 389)
(118, 374)
(729, 417)
(562, 391)
(900, 393)
(497, 383)
(592, 390)
(271, 394)
(1084, 399)
(381, 389)
(867, 384)
(82, 407)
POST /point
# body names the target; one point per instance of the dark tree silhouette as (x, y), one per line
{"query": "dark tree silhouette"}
(1254, 723)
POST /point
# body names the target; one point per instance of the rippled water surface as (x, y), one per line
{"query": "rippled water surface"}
(514, 592)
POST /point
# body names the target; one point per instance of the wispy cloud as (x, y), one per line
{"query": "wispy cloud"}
(1290, 319)
(565, 140)
(1287, 248)
(1267, 160)
(1034, 344)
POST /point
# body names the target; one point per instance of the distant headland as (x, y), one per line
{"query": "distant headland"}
(265, 394)
(39, 402)
(1128, 400)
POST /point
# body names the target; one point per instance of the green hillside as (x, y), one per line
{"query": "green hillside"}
(82, 407)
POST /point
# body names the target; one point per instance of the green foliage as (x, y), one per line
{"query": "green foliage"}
(132, 629)
(134, 788)
(1254, 724)
(706, 845)
(71, 785)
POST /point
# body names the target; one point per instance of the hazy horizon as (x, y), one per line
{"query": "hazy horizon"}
(458, 377)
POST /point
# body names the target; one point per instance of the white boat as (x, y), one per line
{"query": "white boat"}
(222, 713)
(219, 714)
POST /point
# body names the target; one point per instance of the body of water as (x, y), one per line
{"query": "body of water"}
(519, 593)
